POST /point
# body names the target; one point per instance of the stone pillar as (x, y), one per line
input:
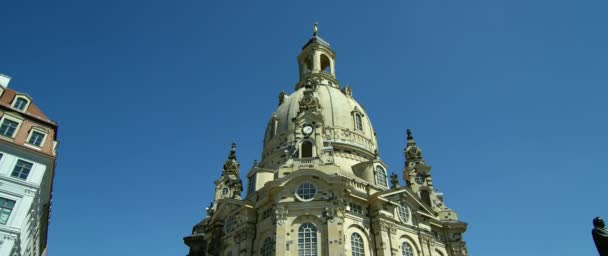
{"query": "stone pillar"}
(426, 245)
(284, 244)
(335, 237)
(316, 66)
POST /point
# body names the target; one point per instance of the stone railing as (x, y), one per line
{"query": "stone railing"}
(349, 137)
(306, 162)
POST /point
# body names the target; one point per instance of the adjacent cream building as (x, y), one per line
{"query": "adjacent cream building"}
(28, 142)
(321, 187)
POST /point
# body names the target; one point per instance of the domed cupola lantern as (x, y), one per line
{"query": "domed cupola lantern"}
(317, 59)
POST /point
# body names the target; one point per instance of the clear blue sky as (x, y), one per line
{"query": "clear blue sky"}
(506, 98)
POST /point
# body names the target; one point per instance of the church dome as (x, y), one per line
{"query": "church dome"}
(320, 120)
(344, 125)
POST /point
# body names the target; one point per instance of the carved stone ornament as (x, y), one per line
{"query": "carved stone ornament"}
(282, 96)
(348, 91)
(394, 181)
(311, 83)
(413, 153)
(280, 215)
(329, 214)
(309, 102)
(388, 227)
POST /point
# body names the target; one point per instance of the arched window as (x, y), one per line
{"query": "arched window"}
(307, 240)
(325, 64)
(357, 245)
(426, 197)
(267, 247)
(308, 65)
(358, 122)
(306, 149)
(406, 249)
(381, 177)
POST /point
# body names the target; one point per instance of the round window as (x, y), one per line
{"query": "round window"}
(404, 213)
(306, 192)
(224, 191)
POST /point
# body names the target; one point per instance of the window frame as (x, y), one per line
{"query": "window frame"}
(404, 213)
(357, 116)
(300, 197)
(3, 208)
(378, 178)
(12, 118)
(309, 236)
(407, 249)
(22, 97)
(312, 149)
(29, 171)
(31, 133)
(357, 246)
(358, 122)
(267, 248)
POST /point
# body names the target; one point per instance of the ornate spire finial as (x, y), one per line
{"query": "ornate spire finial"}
(231, 165)
(394, 181)
(409, 134)
(232, 155)
(316, 29)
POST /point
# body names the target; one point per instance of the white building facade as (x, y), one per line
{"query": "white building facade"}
(321, 187)
(27, 162)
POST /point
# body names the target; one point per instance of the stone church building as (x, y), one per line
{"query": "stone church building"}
(321, 187)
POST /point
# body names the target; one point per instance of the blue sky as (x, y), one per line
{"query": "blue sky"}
(506, 98)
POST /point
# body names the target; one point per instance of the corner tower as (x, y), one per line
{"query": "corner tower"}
(321, 187)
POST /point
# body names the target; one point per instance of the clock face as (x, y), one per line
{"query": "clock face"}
(307, 130)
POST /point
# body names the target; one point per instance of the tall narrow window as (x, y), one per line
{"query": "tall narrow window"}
(267, 247)
(406, 249)
(271, 129)
(6, 207)
(307, 240)
(357, 245)
(8, 127)
(306, 149)
(22, 169)
(426, 197)
(20, 103)
(381, 177)
(358, 122)
(325, 64)
(251, 185)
